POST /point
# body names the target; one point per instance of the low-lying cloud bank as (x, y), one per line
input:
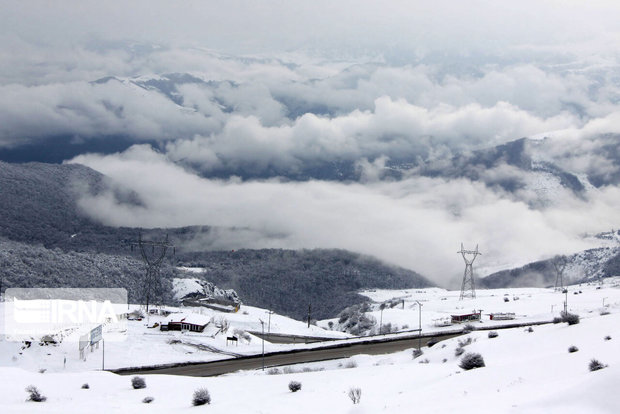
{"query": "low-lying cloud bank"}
(418, 223)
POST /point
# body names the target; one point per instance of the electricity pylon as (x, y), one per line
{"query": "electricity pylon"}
(468, 288)
(153, 262)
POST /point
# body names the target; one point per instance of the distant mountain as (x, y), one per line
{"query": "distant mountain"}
(588, 265)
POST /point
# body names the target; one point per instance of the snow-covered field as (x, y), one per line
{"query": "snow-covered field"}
(525, 371)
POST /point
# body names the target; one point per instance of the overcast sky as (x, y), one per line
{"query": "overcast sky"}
(283, 84)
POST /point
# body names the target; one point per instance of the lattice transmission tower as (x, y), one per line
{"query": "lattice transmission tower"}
(468, 288)
(152, 261)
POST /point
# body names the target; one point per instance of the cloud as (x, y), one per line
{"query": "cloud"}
(417, 222)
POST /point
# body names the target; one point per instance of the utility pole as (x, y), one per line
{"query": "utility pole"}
(269, 324)
(262, 324)
(309, 313)
(419, 325)
(382, 306)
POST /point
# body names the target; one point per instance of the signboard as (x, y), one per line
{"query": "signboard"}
(96, 335)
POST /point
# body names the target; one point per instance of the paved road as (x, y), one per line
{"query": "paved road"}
(374, 347)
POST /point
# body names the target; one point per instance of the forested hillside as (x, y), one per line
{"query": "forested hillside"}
(25, 266)
(47, 241)
(287, 281)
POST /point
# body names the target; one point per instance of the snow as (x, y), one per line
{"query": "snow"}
(525, 372)
(183, 287)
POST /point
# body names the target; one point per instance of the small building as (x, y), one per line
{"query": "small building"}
(442, 322)
(192, 322)
(466, 317)
(501, 316)
(160, 312)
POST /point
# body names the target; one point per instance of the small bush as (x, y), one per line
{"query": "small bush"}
(459, 351)
(471, 360)
(424, 361)
(431, 342)
(570, 318)
(572, 349)
(138, 383)
(350, 364)
(604, 312)
(465, 342)
(35, 394)
(201, 397)
(355, 394)
(469, 328)
(493, 334)
(273, 371)
(417, 353)
(595, 365)
(85, 386)
(294, 386)
(608, 338)
(529, 329)
(148, 400)
(557, 319)
(444, 360)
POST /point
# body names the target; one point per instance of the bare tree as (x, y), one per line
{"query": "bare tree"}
(355, 394)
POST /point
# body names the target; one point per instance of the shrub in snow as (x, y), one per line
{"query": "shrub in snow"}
(424, 361)
(148, 400)
(529, 329)
(431, 342)
(138, 383)
(570, 318)
(85, 386)
(608, 338)
(469, 328)
(557, 319)
(35, 394)
(444, 360)
(604, 312)
(417, 353)
(355, 394)
(464, 342)
(201, 397)
(294, 386)
(572, 349)
(471, 360)
(351, 364)
(493, 334)
(459, 351)
(595, 365)
(273, 371)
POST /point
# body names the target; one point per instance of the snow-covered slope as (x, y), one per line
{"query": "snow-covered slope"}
(525, 372)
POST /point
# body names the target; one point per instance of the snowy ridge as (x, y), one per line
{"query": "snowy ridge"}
(183, 288)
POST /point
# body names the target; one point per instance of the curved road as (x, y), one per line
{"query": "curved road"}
(207, 369)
